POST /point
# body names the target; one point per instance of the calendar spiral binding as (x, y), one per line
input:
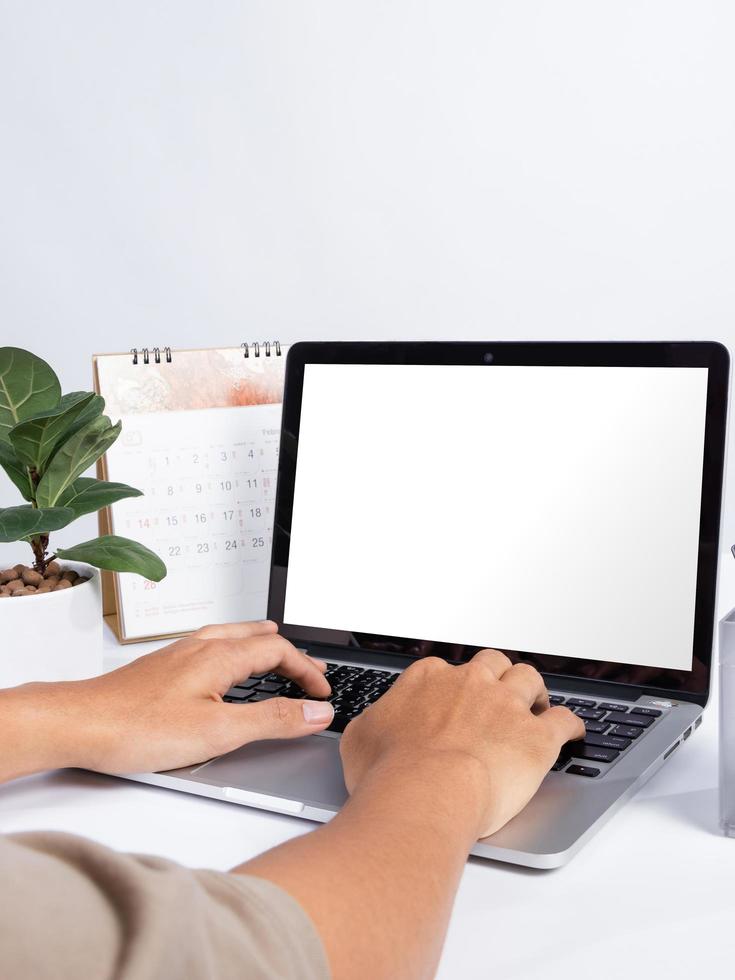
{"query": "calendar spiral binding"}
(267, 346)
(145, 354)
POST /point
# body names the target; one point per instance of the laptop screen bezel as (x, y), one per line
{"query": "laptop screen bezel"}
(687, 685)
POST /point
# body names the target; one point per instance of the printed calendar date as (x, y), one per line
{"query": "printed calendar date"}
(209, 547)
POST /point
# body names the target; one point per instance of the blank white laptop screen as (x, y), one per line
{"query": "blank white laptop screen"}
(544, 509)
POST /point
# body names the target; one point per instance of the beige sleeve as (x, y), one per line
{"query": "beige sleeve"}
(70, 908)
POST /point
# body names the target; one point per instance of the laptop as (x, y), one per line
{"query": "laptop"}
(557, 501)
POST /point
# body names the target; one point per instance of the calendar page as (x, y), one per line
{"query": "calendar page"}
(200, 439)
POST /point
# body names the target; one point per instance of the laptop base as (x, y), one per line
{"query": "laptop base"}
(303, 778)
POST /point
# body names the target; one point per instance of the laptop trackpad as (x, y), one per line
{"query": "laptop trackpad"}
(306, 769)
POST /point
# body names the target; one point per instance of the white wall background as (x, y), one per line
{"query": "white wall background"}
(197, 173)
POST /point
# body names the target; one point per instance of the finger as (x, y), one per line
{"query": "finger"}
(494, 660)
(321, 664)
(274, 653)
(562, 724)
(278, 718)
(237, 631)
(528, 684)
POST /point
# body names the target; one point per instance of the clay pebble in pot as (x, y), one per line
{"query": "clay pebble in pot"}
(23, 581)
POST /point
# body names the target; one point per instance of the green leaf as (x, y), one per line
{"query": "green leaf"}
(85, 495)
(15, 469)
(35, 439)
(94, 409)
(117, 555)
(27, 385)
(74, 457)
(21, 522)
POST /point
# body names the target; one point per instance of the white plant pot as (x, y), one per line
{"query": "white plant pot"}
(55, 636)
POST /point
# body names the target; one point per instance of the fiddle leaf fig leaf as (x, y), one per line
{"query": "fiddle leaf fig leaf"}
(94, 408)
(86, 495)
(117, 555)
(74, 456)
(28, 385)
(15, 469)
(35, 439)
(21, 522)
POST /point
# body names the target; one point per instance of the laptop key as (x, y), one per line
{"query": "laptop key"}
(612, 706)
(608, 742)
(594, 754)
(625, 731)
(236, 694)
(269, 686)
(596, 726)
(556, 699)
(590, 714)
(262, 696)
(583, 771)
(639, 721)
(247, 684)
(649, 712)
(580, 703)
(559, 764)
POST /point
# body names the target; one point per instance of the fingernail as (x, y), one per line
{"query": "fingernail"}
(317, 712)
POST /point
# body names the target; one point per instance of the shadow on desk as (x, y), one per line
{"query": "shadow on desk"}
(58, 785)
(699, 808)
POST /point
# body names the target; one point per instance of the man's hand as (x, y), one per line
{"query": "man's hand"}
(488, 716)
(448, 755)
(164, 710)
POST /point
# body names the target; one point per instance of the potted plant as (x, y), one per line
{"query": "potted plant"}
(50, 607)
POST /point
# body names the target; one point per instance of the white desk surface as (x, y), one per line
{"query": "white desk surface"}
(655, 889)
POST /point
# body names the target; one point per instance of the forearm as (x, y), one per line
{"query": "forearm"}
(379, 880)
(36, 730)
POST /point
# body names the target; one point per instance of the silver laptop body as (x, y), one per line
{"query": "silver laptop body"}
(638, 711)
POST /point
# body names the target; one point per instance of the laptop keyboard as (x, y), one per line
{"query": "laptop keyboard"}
(611, 726)
(353, 690)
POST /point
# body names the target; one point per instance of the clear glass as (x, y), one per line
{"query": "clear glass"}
(727, 724)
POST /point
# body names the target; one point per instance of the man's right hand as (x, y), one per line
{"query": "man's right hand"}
(448, 755)
(488, 716)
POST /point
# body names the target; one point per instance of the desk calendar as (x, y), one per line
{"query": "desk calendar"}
(200, 438)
